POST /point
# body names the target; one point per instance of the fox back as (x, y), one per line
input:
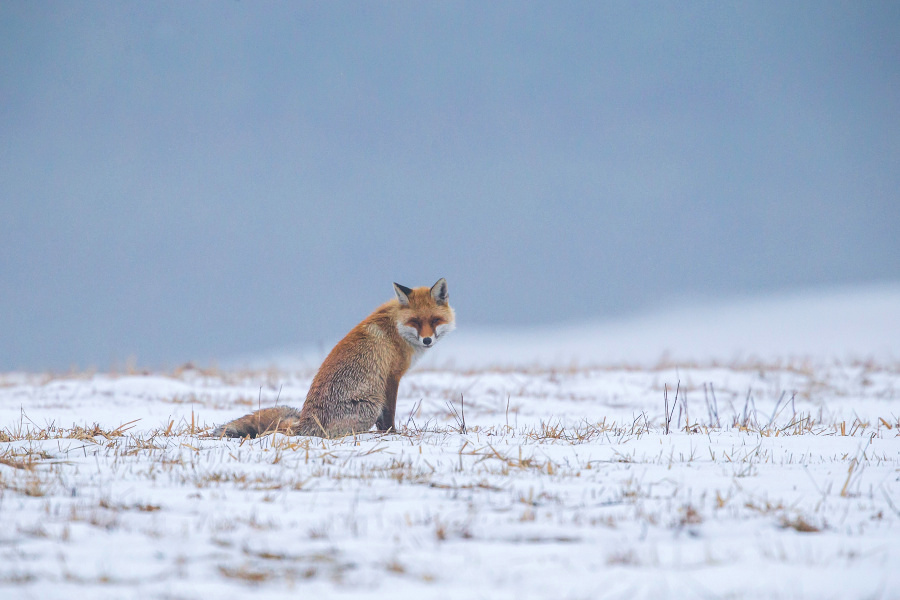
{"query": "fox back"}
(356, 386)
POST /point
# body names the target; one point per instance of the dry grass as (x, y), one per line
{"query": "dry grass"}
(30, 431)
(799, 523)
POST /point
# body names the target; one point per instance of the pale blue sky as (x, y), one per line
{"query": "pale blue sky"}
(189, 181)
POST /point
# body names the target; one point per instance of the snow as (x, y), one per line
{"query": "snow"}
(845, 323)
(779, 476)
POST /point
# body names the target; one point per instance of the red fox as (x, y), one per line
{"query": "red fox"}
(356, 386)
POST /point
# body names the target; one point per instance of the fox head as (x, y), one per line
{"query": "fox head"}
(425, 315)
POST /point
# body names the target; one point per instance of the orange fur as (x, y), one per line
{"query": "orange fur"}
(356, 386)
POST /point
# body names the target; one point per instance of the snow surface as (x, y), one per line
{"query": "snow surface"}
(846, 324)
(779, 476)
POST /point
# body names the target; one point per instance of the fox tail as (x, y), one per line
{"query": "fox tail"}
(281, 419)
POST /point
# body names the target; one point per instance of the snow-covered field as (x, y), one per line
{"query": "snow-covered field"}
(527, 465)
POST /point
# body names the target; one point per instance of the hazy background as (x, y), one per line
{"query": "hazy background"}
(191, 180)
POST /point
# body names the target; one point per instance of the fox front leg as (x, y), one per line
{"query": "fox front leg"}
(385, 420)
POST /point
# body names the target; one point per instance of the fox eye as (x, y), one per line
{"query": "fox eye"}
(436, 321)
(414, 323)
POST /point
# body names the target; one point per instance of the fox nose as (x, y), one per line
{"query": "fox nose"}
(426, 341)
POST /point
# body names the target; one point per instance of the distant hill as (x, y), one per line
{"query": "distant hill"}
(837, 323)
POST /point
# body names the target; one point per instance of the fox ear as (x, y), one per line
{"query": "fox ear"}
(403, 293)
(439, 291)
